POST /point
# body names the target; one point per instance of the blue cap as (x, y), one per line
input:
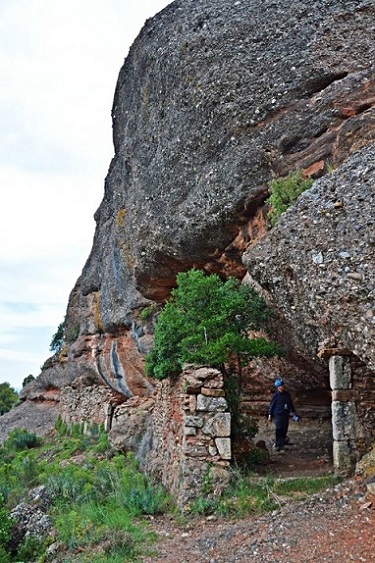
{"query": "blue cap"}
(279, 382)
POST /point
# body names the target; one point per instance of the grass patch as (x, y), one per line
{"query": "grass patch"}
(249, 495)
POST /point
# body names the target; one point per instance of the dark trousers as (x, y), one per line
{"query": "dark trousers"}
(281, 428)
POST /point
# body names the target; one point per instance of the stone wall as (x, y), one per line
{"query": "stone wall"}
(80, 403)
(181, 435)
(191, 445)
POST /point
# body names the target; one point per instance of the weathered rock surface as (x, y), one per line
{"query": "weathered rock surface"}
(37, 416)
(317, 264)
(31, 518)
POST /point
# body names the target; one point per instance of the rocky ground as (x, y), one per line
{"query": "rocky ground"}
(334, 526)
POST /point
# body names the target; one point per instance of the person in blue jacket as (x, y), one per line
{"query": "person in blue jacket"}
(280, 409)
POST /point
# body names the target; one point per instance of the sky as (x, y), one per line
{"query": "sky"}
(59, 62)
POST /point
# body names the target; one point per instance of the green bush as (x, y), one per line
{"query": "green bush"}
(284, 191)
(21, 439)
(206, 321)
(57, 339)
(31, 549)
(72, 332)
(8, 398)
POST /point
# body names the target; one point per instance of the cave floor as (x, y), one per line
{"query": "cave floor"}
(309, 453)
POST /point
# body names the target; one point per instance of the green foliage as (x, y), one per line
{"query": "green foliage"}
(284, 191)
(206, 321)
(28, 380)
(57, 339)
(8, 398)
(5, 526)
(61, 427)
(148, 312)
(21, 439)
(31, 549)
(94, 501)
(4, 555)
(256, 456)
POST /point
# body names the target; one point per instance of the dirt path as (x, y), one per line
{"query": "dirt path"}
(309, 453)
(335, 526)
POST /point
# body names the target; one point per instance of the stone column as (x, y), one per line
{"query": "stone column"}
(344, 414)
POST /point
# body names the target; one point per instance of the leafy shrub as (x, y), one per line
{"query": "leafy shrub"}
(206, 321)
(5, 526)
(8, 398)
(61, 427)
(21, 439)
(72, 332)
(148, 312)
(57, 339)
(4, 555)
(28, 380)
(284, 191)
(31, 549)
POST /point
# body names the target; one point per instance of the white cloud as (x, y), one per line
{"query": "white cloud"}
(59, 63)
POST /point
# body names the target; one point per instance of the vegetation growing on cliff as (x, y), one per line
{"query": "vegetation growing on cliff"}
(207, 321)
(8, 398)
(57, 339)
(284, 191)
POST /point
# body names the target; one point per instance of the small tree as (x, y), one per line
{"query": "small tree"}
(8, 398)
(206, 321)
(57, 339)
(28, 380)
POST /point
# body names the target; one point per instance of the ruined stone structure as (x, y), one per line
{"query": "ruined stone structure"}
(353, 417)
(215, 99)
(182, 436)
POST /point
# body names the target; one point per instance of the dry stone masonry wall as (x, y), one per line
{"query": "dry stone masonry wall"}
(186, 441)
(191, 435)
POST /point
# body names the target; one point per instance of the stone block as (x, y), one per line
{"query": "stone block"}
(215, 382)
(212, 392)
(191, 385)
(205, 373)
(224, 447)
(195, 421)
(190, 404)
(344, 419)
(345, 395)
(343, 457)
(190, 431)
(218, 425)
(211, 404)
(340, 376)
(195, 450)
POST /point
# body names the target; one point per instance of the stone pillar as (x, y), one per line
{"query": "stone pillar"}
(344, 415)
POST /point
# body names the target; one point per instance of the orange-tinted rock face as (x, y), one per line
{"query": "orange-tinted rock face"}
(120, 365)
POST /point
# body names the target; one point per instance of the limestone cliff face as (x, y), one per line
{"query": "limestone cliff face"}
(214, 99)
